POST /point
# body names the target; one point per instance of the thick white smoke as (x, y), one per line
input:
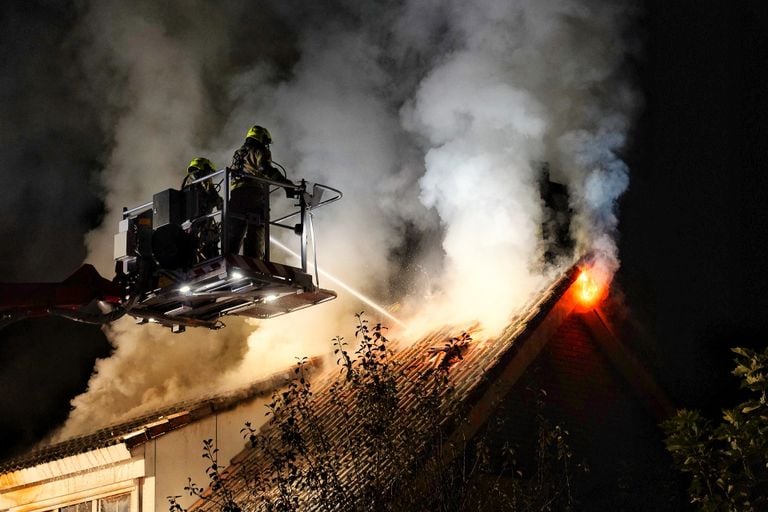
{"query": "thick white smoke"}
(528, 82)
(432, 117)
(483, 134)
(151, 369)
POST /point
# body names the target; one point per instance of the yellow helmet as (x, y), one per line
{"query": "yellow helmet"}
(200, 167)
(260, 134)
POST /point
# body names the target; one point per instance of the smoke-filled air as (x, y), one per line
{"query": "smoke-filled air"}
(433, 117)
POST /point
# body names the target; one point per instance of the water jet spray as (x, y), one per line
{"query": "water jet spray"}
(342, 284)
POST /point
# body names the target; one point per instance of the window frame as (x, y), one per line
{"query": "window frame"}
(95, 499)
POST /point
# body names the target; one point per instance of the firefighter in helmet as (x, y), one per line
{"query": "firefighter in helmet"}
(201, 202)
(249, 200)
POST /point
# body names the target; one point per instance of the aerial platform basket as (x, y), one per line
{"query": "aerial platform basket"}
(228, 285)
(171, 281)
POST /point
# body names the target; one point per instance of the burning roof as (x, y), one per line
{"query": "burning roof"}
(481, 374)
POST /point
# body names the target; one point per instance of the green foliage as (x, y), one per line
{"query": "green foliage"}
(728, 461)
(383, 449)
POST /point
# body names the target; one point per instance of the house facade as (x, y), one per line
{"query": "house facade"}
(134, 466)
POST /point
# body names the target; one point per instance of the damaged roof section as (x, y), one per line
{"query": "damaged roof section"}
(482, 373)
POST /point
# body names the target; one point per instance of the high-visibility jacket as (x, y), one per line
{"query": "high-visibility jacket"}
(254, 159)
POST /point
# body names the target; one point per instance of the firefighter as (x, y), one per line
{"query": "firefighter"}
(249, 201)
(202, 202)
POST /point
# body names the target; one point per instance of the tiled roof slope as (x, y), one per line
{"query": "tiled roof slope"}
(482, 377)
(138, 430)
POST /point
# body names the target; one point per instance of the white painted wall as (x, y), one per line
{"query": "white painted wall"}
(173, 457)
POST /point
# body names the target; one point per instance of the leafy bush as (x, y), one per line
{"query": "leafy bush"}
(728, 461)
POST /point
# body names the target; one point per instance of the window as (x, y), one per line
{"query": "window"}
(79, 507)
(119, 503)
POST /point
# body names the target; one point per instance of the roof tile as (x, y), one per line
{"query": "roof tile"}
(469, 377)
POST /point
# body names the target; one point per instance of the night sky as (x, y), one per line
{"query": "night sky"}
(693, 223)
(693, 233)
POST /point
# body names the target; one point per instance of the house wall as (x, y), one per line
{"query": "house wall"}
(79, 478)
(177, 455)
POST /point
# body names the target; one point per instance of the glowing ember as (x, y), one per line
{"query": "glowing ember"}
(588, 291)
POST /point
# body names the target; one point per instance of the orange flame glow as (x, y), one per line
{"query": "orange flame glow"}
(588, 290)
